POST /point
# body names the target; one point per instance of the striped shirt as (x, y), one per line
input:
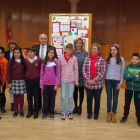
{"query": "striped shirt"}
(100, 70)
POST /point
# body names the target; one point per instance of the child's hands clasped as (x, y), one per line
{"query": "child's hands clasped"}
(55, 87)
(9, 85)
(137, 75)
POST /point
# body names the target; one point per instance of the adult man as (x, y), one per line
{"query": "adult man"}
(41, 50)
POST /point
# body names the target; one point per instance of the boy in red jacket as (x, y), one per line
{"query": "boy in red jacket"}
(3, 65)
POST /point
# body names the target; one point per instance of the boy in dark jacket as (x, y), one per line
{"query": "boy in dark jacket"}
(132, 77)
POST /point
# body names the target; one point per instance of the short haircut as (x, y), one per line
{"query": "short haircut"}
(2, 49)
(135, 54)
(31, 48)
(69, 45)
(12, 41)
(42, 34)
(98, 46)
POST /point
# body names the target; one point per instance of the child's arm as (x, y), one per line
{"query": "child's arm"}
(1, 89)
(57, 75)
(76, 72)
(137, 79)
(128, 76)
(9, 74)
(122, 70)
(59, 61)
(41, 76)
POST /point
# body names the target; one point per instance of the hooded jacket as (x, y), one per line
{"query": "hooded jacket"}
(132, 82)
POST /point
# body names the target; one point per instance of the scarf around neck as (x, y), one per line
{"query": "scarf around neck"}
(92, 66)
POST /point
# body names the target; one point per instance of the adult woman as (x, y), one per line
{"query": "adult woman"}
(80, 54)
(93, 71)
(113, 80)
(8, 55)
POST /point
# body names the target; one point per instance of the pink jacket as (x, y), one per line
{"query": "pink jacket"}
(68, 71)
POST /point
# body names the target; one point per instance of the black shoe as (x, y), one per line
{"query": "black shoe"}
(79, 111)
(124, 119)
(21, 114)
(30, 113)
(12, 107)
(138, 121)
(15, 113)
(35, 115)
(3, 111)
(75, 110)
(0, 118)
(95, 116)
(89, 116)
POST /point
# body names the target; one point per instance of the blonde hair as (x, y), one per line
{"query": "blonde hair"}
(98, 46)
(79, 39)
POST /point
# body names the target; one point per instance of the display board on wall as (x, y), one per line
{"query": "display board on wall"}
(65, 28)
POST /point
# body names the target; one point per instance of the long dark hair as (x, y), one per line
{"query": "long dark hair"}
(118, 58)
(21, 56)
(46, 57)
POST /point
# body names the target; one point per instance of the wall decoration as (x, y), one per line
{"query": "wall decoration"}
(65, 28)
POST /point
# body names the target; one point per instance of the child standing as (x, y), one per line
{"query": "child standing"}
(132, 77)
(8, 55)
(0, 84)
(33, 65)
(49, 80)
(16, 80)
(3, 64)
(113, 80)
(68, 77)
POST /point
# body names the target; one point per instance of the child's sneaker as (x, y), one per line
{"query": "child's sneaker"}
(44, 116)
(51, 116)
(15, 113)
(3, 111)
(70, 116)
(21, 113)
(62, 117)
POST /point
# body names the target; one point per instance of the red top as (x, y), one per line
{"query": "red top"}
(67, 58)
(15, 72)
(33, 69)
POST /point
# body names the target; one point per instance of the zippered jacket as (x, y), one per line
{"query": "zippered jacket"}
(132, 82)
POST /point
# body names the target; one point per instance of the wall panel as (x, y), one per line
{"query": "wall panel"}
(28, 18)
(115, 21)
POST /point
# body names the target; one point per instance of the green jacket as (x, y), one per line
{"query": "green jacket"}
(132, 82)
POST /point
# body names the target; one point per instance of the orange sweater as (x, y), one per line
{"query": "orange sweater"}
(3, 64)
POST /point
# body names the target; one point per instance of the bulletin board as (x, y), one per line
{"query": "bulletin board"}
(65, 28)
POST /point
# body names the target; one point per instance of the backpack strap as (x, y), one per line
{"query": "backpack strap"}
(54, 69)
(43, 68)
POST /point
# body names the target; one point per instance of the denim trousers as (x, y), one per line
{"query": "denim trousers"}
(96, 93)
(64, 88)
(111, 86)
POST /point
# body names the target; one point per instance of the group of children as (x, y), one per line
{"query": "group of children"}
(32, 74)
